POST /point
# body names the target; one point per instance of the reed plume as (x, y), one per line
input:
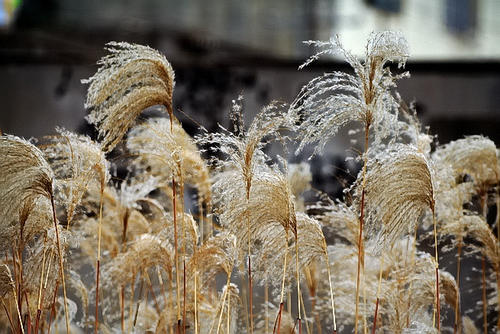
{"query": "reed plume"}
(161, 274)
(329, 102)
(159, 151)
(398, 190)
(473, 155)
(243, 155)
(130, 79)
(25, 176)
(76, 161)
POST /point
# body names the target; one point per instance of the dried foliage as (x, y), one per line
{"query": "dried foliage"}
(398, 189)
(169, 263)
(162, 152)
(132, 78)
(329, 102)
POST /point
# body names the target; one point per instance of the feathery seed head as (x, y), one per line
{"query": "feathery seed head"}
(132, 78)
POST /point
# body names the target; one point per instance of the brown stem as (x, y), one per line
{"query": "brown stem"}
(278, 320)
(153, 294)
(18, 311)
(283, 281)
(266, 307)
(176, 255)
(98, 271)
(378, 295)
(305, 315)
(40, 288)
(361, 221)
(250, 290)
(438, 303)
(376, 315)
(53, 308)
(298, 279)
(122, 308)
(138, 302)
(184, 296)
(9, 316)
(17, 288)
(28, 312)
(98, 261)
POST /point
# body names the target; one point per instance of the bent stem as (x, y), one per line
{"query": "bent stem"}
(61, 267)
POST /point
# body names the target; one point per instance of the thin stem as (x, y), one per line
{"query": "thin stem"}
(282, 296)
(266, 307)
(177, 278)
(278, 319)
(436, 255)
(378, 294)
(497, 269)
(457, 326)
(40, 288)
(98, 261)
(18, 312)
(131, 303)
(150, 289)
(305, 315)
(298, 279)
(223, 301)
(195, 299)
(141, 297)
(53, 308)
(9, 316)
(61, 266)
(122, 308)
(250, 286)
(184, 296)
(361, 221)
(484, 207)
(228, 309)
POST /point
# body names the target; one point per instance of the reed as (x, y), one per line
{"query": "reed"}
(165, 262)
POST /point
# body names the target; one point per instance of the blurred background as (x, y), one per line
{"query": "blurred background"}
(221, 49)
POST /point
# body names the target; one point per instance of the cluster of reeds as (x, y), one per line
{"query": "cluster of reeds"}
(85, 251)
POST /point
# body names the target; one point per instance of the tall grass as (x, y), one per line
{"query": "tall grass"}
(83, 251)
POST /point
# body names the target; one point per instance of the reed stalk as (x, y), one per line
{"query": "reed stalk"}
(61, 266)
(361, 223)
(98, 260)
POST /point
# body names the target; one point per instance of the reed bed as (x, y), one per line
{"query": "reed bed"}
(82, 251)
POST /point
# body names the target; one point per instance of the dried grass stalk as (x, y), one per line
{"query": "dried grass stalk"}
(132, 78)
(398, 189)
